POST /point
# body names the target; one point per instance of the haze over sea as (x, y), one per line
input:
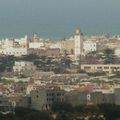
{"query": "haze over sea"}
(58, 18)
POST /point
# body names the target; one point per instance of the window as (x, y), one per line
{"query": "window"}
(37, 96)
(106, 67)
(58, 94)
(99, 67)
(87, 67)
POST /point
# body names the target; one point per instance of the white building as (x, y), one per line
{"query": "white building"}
(89, 46)
(107, 68)
(56, 45)
(14, 51)
(117, 52)
(6, 43)
(36, 45)
(78, 44)
(23, 42)
(21, 66)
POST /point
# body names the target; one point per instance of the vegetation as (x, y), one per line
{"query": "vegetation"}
(109, 57)
(97, 74)
(65, 111)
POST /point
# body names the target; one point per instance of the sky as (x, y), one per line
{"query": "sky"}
(58, 18)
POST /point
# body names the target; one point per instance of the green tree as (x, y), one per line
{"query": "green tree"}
(38, 116)
(62, 106)
(110, 111)
(109, 57)
(63, 116)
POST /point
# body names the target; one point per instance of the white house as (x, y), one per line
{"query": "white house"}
(117, 52)
(14, 51)
(23, 42)
(21, 66)
(36, 45)
(6, 43)
(89, 46)
(55, 45)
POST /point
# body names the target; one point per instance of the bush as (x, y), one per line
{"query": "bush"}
(62, 106)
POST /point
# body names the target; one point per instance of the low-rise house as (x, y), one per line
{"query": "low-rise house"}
(117, 52)
(89, 46)
(15, 51)
(21, 66)
(49, 52)
(36, 45)
(107, 68)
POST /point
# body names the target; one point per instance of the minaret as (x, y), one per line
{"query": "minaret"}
(35, 37)
(26, 41)
(78, 40)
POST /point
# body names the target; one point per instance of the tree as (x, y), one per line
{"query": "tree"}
(1, 116)
(62, 106)
(63, 116)
(9, 116)
(110, 111)
(91, 57)
(29, 114)
(109, 57)
(38, 116)
(66, 60)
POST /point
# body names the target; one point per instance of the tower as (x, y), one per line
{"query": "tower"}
(78, 40)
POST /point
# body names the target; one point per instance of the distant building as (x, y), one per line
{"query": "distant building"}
(89, 46)
(22, 42)
(107, 68)
(53, 52)
(67, 45)
(36, 45)
(42, 99)
(55, 45)
(7, 43)
(49, 52)
(88, 98)
(14, 51)
(21, 66)
(117, 52)
(76, 98)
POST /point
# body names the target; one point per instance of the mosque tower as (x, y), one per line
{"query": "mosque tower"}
(78, 41)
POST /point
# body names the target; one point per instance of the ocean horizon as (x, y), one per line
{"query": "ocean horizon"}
(59, 34)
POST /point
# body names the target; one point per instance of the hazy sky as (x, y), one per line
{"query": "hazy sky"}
(57, 18)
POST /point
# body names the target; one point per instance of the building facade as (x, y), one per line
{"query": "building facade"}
(42, 99)
(21, 66)
(107, 68)
(89, 98)
(89, 46)
(14, 51)
(36, 45)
